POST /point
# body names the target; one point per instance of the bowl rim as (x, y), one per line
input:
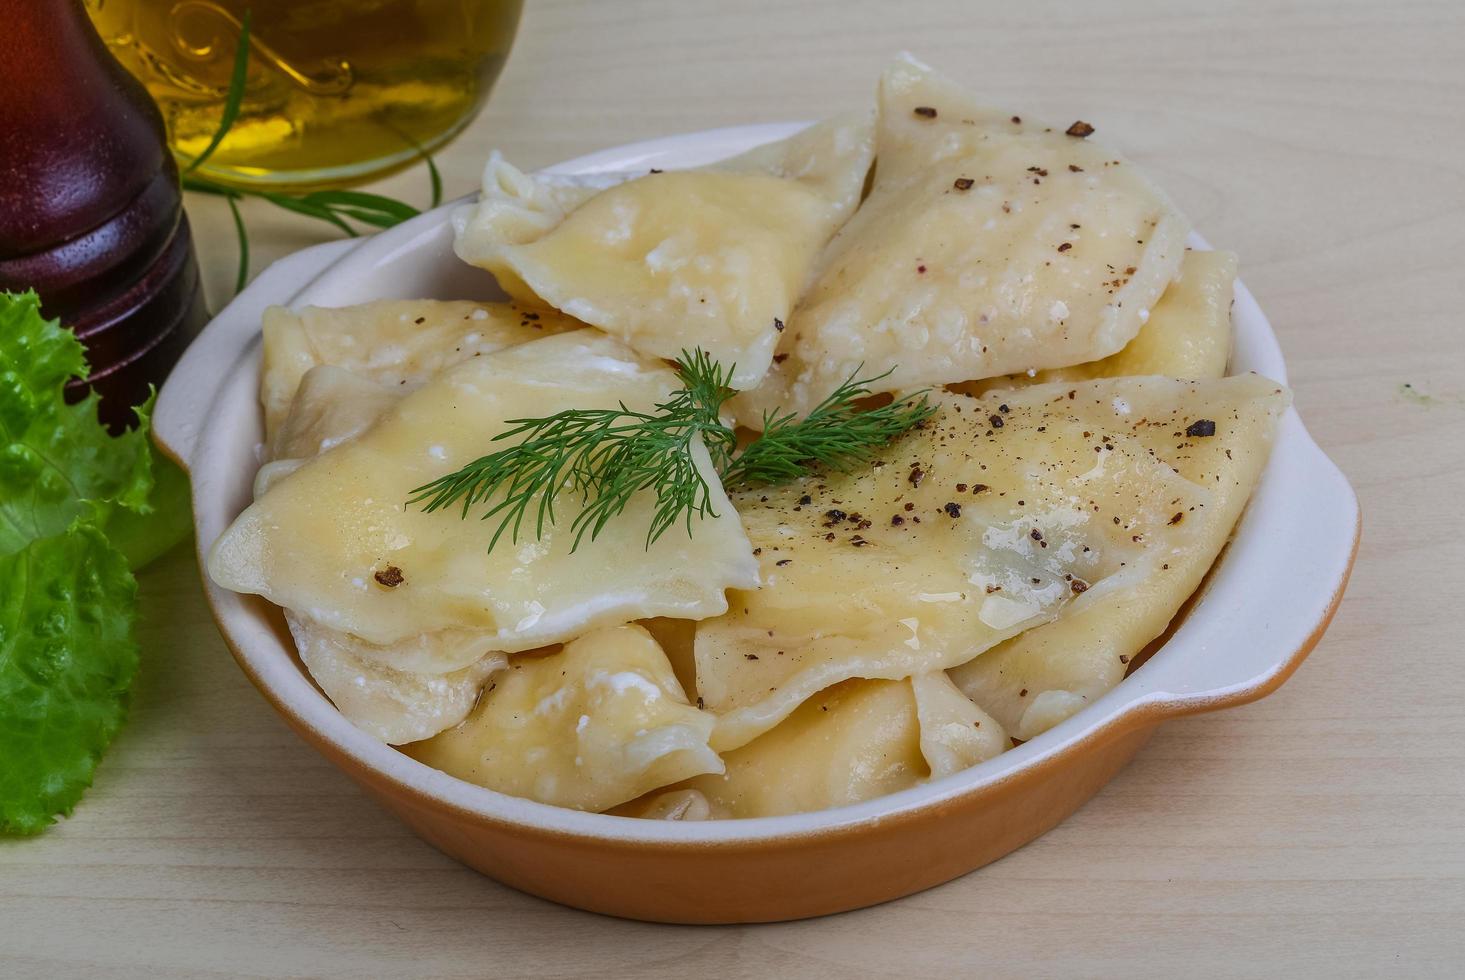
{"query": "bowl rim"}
(181, 429)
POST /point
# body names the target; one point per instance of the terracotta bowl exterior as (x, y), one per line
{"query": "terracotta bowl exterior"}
(1259, 613)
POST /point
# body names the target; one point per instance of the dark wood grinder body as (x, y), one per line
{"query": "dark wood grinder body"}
(91, 214)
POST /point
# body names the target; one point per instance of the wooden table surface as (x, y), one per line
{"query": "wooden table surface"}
(1318, 832)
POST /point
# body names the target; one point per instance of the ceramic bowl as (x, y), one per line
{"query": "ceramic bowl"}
(1259, 613)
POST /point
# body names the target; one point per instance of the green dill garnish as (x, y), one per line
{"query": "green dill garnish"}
(836, 434)
(607, 456)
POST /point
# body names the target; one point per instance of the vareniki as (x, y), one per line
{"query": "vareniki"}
(781, 484)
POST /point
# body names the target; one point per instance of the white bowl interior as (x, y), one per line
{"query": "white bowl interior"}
(1262, 602)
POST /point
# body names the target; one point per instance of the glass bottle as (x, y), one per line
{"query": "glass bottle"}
(337, 90)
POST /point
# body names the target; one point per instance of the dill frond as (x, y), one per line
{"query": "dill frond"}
(836, 435)
(608, 456)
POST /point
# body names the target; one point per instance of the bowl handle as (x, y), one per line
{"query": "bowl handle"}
(1236, 647)
(188, 394)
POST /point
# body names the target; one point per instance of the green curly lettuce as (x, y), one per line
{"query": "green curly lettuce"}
(56, 463)
(67, 658)
(78, 509)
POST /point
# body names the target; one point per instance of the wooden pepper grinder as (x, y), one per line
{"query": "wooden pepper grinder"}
(91, 214)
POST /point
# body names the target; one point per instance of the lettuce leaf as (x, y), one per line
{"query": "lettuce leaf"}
(67, 658)
(57, 464)
(77, 507)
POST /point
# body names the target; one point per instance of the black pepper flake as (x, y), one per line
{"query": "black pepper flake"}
(1124, 658)
(1201, 428)
(1038, 170)
(1177, 518)
(1017, 120)
(961, 488)
(1075, 168)
(1079, 586)
(750, 656)
(909, 507)
(952, 508)
(805, 500)
(896, 520)
(1003, 408)
(390, 577)
(963, 183)
(858, 541)
(1023, 693)
(783, 561)
(779, 358)
(1080, 129)
(835, 515)
(995, 421)
(916, 476)
(1035, 534)
(925, 112)
(420, 320)
(1065, 246)
(701, 705)
(778, 324)
(979, 488)
(655, 170)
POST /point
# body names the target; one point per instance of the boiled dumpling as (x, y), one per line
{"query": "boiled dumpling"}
(1188, 334)
(955, 733)
(390, 341)
(993, 518)
(335, 541)
(600, 722)
(414, 688)
(856, 741)
(1032, 682)
(393, 704)
(712, 258)
(331, 406)
(667, 804)
(514, 207)
(852, 742)
(988, 245)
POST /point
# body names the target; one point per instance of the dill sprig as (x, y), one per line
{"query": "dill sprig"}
(335, 207)
(836, 435)
(607, 456)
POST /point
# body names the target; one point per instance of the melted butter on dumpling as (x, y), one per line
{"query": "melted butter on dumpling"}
(1188, 334)
(712, 258)
(335, 542)
(1036, 680)
(995, 517)
(600, 722)
(393, 342)
(987, 246)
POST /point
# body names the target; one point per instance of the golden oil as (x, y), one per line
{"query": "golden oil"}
(338, 90)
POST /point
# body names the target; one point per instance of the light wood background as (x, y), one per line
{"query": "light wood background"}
(1319, 832)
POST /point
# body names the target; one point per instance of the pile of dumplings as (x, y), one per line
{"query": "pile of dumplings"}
(816, 643)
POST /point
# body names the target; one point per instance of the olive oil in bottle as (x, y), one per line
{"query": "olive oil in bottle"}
(338, 90)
